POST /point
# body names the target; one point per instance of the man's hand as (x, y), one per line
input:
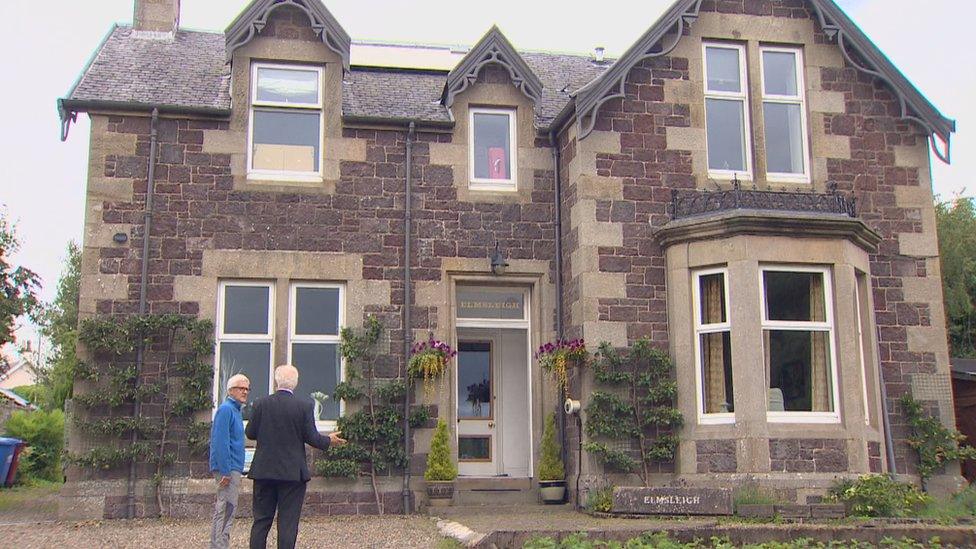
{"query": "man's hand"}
(224, 482)
(335, 438)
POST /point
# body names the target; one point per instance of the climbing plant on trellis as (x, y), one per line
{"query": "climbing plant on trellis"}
(634, 407)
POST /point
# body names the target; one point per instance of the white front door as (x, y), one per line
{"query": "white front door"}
(492, 385)
(477, 407)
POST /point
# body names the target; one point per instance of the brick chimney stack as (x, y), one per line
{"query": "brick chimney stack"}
(156, 15)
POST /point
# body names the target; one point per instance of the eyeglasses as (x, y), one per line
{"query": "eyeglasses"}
(242, 388)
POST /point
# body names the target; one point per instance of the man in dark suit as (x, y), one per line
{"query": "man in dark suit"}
(282, 424)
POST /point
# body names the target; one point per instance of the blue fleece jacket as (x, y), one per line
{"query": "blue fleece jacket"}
(227, 439)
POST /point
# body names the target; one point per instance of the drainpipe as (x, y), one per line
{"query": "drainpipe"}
(143, 283)
(886, 421)
(407, 338)
(559, 287)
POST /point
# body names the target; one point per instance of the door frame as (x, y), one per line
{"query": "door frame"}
(525, 325)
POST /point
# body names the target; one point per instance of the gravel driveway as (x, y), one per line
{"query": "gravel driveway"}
(373, 532)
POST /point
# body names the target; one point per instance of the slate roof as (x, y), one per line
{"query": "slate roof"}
(133, 69)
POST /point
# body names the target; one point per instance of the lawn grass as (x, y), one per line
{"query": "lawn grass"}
(38, 495)
(948, 511)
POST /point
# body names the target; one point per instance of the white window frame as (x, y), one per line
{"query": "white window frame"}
(700, 329)
(743, 96)
(484, 184)
(861, 358)
(800, 100)
(324, 425)
(806, 326)
(255, 105)
(242, 338)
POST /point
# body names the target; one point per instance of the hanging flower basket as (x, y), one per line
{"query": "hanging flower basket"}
(556, 358)
(428, 361)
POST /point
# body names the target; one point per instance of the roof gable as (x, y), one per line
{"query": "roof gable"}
(664, 35)
(492, 48)
(252, 20)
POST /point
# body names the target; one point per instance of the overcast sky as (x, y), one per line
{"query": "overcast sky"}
(46, 45)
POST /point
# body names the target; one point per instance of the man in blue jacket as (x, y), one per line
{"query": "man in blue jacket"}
(227, 458)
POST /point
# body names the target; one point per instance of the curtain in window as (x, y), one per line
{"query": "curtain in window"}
(820, 397)
(713, 346)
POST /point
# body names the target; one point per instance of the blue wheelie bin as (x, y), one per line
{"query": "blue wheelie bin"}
(7, 448)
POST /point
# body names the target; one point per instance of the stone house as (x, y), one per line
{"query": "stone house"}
(748, 186)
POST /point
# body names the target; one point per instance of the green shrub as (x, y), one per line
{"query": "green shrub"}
(600, 500)
(878, 496)
(44, 434)
(934, 443)
(551, 465)
(439, 464)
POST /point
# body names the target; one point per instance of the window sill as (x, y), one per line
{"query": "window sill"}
(730, 175)
(803, 417)
(325, 426)
(284, 177)
(716, 419)
(787, 178)
(493, 186)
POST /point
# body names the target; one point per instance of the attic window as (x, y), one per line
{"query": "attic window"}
(493, 145)
(285, 133)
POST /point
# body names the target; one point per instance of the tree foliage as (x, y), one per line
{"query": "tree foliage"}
(59, 325)
(956, 222)
(18, 288)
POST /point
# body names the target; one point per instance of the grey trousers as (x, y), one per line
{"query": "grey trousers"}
(224, 509)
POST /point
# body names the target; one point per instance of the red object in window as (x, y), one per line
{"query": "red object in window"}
(497, 163)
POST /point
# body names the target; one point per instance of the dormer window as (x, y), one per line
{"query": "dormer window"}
(493, 145)
(285, 132)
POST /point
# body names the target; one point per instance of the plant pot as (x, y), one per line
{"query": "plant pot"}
(552, 491)
(440, 493)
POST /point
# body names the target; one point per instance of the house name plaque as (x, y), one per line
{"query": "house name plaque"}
(672, 501)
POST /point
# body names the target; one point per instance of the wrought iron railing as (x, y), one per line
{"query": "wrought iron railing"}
(686, 203)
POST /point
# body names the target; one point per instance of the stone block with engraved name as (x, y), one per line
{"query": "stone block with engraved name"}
(672, 501)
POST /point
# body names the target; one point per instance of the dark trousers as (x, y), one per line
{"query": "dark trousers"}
(287, 497)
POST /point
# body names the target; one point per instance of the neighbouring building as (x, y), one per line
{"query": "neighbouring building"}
(18, 375)
(748, 186)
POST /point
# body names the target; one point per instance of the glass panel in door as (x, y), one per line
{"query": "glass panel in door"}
(475, 409)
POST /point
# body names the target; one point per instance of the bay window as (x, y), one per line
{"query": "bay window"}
(713, 346)
(798, 342)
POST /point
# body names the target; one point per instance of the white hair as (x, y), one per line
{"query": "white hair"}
(235, 379)
(286, 377)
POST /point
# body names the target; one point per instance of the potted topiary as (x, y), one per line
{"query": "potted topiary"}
(552, 473)
(441, 471)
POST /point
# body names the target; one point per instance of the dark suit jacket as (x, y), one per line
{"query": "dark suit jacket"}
(283, 424)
